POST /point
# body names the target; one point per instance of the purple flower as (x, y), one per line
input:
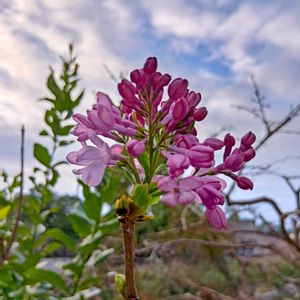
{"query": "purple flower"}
(177, 88)
(151, 122)
(244, 183)
(180, 109)
(200, 156)
(216, 217)
(248, 139)
(229, 142)
(214, 143)
(186, 141)
(177, 163)
(210, 191)
(178, 192)
(135, 147)
(94, 160)
(150, 65)
(200, 114)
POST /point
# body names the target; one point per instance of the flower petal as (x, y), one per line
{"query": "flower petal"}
(88, 154)
(169, 199)
(167, 184)
(92, 175)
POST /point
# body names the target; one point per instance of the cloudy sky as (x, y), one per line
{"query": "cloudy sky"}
(216, 44)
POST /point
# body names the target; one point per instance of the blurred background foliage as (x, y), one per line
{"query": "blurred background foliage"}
(57, 246)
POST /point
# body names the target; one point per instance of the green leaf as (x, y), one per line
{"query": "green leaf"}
(65, 130)
(52, 85)
(51, 247)
(58, 235)
(144, 161)
(65, 143)
(80, 225)
(92, 206)
(4, 212)
(43, 133)
(120, 282)
(141, 195)
(42, 154)
(38, 275)
(108, 226)
(52, 120)
(90, 243)
(54, 178)
(98, 257)
(62, 162)
(75, 266)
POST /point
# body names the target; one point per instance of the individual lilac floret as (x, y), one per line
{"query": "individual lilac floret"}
(103, 119)
(135, 147)
(176, 163)
(216, 217)
(209, 191)
(94, 160)
(179, 192)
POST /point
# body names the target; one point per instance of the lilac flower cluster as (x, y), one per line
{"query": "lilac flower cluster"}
(162, 131)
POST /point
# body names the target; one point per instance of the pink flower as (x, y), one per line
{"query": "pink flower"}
(193, 99)
(214, 143)
(178, 192)
(249, 154)
(248, 139)
(244, 183)
(106, 118)
(102, 113)
(180, 109)
(200, 156)
(210, 191)
(177, 163)
(229, 142)
(185, 140)
(216, 217)
(127, 89)
(177, 88)
(94, 160)
(135, 147)
(83, 127)
(150, 65)
(200, 114)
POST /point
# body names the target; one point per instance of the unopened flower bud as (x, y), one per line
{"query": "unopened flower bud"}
(200, 114)
(216, 217)
(177, 88)
(181, 109)
(214, 143)
(248, 139)
(150, 65)
(135, 147)
(244, 183)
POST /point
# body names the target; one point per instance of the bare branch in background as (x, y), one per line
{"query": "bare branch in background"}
(110, 73)
(271, 129)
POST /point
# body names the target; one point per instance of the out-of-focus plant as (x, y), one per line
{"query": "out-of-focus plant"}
(157, 146)
(28, 233)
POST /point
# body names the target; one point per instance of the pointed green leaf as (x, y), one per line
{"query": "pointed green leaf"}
(37, 275)
(42, 154)
(80, 225)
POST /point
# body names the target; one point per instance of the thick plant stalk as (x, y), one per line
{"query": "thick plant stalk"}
(128, 228)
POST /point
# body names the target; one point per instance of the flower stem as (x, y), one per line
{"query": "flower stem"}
(128, 228)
